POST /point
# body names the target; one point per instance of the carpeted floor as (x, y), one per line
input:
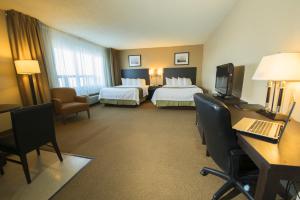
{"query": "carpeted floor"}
(140, 153)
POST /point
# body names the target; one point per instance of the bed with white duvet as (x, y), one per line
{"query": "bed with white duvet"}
(131, 92)
(176, 92)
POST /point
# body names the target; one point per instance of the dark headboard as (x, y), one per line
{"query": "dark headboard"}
(136, 73)
(183, 72)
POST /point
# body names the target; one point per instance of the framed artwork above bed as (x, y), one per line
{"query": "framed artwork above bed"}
(181, 58)
(134, 60)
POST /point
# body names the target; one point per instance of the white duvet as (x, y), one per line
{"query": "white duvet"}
(123, 92)
(175, 93)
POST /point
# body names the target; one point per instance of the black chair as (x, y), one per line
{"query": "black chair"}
(2, 163)
(33, 127)
(238, 170)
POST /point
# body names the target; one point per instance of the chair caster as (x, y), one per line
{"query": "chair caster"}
(203, 172)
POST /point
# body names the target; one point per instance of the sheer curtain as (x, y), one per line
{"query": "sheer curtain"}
(74, 62)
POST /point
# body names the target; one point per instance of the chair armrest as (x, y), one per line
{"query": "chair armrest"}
(57, 104)
(81, 99)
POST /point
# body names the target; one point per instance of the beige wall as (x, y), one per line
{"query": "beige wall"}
(253, 29)
(164, 57)
(9, 92)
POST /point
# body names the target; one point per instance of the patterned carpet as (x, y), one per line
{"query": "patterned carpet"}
(141, 153)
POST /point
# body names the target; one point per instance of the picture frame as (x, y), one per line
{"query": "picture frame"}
(181, 58)
(134, 60)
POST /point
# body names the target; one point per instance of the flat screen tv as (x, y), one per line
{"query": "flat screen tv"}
(224, 79)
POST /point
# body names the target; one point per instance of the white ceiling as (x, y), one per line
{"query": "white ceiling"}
(126, 24)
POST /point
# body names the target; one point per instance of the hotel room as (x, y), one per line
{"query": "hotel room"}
(140, 99)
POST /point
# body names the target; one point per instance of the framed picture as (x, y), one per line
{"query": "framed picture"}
(134, 60)
(181, 58)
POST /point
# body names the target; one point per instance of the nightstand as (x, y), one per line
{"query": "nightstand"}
(151, 90)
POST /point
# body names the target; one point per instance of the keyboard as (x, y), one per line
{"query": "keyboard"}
(261, 127)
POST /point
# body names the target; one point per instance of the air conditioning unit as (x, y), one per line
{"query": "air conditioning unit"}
(93, 99)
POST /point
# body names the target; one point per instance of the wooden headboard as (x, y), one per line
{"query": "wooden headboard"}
(136, 73)
(183, 72)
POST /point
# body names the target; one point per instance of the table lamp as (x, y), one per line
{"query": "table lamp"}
(156, 73)
(276, 69)
(28, 67)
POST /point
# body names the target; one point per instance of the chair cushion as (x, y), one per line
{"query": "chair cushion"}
(74, 107)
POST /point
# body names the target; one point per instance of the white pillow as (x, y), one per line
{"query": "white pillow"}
(174, 81)
(187, 81)
(141, 82)
(168, 81)
(180, 81)
(123, 81)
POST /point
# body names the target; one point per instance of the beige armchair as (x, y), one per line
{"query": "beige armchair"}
(67, 102)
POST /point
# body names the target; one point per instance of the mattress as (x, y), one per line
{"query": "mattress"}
(123, 95)
(175, 96)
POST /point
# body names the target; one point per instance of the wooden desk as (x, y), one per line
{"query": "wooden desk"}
(275, 161)
(8, 107)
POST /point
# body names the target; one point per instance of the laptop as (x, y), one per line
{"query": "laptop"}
(265, 130)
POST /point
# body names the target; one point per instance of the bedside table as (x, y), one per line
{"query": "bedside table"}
(151, 90)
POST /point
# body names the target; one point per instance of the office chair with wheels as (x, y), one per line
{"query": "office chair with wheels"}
(239, 172)
(33, 127)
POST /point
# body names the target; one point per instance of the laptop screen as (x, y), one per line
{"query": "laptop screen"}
(292, 106)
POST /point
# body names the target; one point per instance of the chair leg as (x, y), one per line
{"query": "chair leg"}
(231, 195)
(225, 188)
(55, 146)
(1, 171)
(25, 167)
(205, 171)
(89, 114)
(207, 154)
(38, 151)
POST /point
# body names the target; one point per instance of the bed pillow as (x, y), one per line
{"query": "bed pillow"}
(174, 81)
(133, 81)
(126, 81)
(123, 81)
(187, 81)
(180, 81)
(168, 81)
(141, 82)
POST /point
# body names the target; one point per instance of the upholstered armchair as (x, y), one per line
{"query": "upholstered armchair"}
(67, 102)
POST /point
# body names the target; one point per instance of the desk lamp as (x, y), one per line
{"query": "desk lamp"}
(277, 69)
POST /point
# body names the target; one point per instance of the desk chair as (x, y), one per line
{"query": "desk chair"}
(237, 169)
(33, 127)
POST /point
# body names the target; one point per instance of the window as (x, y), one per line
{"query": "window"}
(76, 63)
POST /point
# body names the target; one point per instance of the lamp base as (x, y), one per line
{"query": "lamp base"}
(271, 115)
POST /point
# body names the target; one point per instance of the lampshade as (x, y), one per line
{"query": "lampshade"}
(27, 66)
(279, 67)
(159, 71)
(151, 72)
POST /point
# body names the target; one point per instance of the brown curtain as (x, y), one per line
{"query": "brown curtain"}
(114, 67)
(24, 36)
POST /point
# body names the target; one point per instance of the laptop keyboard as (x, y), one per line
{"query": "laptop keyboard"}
(261, 127)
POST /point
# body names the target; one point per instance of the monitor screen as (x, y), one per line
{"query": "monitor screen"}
(224, 79)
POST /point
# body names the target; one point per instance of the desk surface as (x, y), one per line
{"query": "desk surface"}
(8, 107)
(286, 152)
(275, 161)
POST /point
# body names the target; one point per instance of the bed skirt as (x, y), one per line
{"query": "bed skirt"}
(121, 101)
(163, 103)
